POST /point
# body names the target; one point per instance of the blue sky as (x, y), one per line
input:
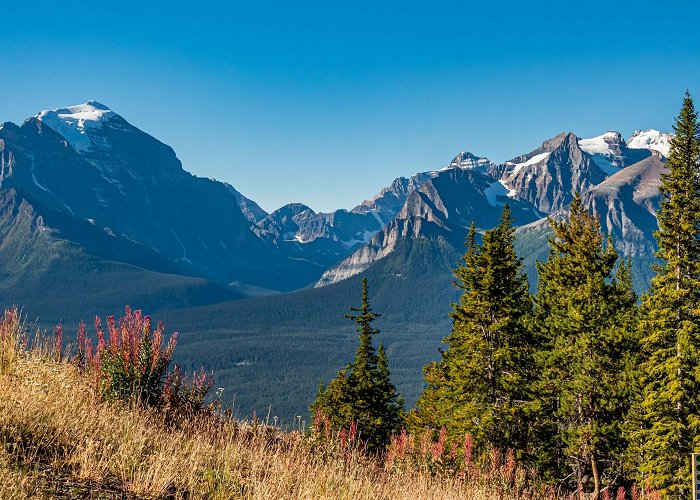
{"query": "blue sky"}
(326, 102)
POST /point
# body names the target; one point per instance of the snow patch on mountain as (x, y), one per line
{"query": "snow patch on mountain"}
(73, 122)
(497, 189)
(600, 144)
(516, 167)
(609, 151)
(651, 139)
(364, 238)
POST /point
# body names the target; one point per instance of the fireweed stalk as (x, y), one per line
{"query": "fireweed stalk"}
(131, 361)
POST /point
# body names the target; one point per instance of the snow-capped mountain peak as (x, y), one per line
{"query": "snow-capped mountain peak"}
(602, 144)
(611, 152)
(73, 122)
(651, 139)
(469, 161)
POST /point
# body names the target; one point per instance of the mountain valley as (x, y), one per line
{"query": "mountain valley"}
(95, 214)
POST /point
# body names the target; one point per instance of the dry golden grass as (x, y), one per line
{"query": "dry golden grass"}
(57, 440)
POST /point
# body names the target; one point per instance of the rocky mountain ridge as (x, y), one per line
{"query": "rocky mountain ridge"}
(89, 164)
(605, 169)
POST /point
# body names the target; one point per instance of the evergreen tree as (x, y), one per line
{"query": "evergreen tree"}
(481, 383)
(670, 321)
(391, 403)
(362, 392)
(584, 320)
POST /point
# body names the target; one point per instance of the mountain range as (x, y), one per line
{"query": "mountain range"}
(95, 214)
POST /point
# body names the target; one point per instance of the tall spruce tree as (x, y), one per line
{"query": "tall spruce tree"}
(481, 383)
(583, 318)
(670, 322)
(362, 392)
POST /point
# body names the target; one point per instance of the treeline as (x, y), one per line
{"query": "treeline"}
(588, 384)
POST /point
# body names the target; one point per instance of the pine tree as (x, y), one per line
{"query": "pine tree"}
(584, 320)
(362, 392)
(670, 321)
(481, 383)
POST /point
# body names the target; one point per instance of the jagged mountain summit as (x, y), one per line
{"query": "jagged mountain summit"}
(440, 208)
(549, 176)
(326, 238)
(388, 202)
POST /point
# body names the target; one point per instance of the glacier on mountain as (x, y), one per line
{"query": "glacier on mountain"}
(72, 122)
(497, 189)
(651, 139)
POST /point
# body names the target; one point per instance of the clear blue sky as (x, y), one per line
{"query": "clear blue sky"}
(325, 102)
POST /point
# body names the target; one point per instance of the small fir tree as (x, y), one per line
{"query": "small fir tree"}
(362, 392)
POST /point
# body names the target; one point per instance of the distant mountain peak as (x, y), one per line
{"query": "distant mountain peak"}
(73, 122)
(601, 144)
(611, 152)
(464, 156)
(468, 160)
(651, 139)
(563, 140)
(96, 105)
(556, 141)
(88, 111)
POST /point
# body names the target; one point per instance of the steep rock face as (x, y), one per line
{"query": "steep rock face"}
(60, 267)
(250, 209)
(38, 235)
(442, 208)
(45, 166)
(387, 203)
(548, 177)
(89, 162)
(626, 204)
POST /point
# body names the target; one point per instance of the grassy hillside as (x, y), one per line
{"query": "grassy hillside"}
(58, 439)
